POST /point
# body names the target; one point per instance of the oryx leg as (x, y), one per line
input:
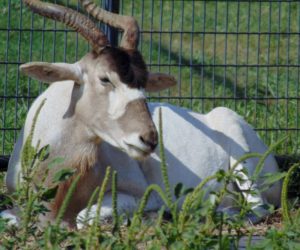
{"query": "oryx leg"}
(239, 139)
(126, 205)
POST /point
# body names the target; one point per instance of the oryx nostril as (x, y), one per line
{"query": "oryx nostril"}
(150, 139)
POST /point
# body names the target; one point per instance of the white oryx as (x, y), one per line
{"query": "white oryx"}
(96, 116)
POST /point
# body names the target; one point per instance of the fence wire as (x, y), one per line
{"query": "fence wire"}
(244, 55)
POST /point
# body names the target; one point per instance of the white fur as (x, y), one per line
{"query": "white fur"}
(133, 146)
(126, 203)
(11, 217)
(196, 147)
(121, 96)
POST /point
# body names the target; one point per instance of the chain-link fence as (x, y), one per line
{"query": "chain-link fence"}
(244, 55)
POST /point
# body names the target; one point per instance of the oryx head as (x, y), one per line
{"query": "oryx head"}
(109, 82)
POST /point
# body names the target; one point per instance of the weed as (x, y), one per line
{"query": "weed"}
(198, 225)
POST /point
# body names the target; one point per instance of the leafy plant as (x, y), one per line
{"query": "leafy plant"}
(199, 224)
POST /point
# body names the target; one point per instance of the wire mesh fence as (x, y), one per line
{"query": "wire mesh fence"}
(244, 55)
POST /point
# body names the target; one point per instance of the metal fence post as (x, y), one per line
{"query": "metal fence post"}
(245, 58)
(112, 33)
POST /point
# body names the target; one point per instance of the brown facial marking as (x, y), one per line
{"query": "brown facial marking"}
(149, 133)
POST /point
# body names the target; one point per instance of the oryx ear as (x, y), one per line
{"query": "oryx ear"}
(159, 81)
(52, 72)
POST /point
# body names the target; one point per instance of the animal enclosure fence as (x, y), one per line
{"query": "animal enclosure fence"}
(244, 55)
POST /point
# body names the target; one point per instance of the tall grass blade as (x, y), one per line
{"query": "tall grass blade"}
(284, 194)
(94, 230)
(261, 162)
(28, 151)
(67, 200)
(164, 170)
(115, 202)
(90, 203)
(137, 217)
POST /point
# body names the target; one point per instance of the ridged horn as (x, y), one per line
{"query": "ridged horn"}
(128, 24)
(82, 24)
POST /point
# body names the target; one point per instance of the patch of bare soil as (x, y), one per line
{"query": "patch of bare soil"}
(272, 221)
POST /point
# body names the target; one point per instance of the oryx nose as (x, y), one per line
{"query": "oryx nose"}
(150, 139)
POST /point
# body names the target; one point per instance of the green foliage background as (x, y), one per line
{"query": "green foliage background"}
(199, 42)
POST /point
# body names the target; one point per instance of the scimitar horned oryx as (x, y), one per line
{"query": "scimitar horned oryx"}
(96, 115)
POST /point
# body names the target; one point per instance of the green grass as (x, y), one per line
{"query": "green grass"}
(198, 225)
(207, 85)
(272, 102)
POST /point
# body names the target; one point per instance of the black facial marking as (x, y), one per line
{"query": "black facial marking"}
(129, 65)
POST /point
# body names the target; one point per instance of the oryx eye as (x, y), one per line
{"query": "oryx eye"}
(105, 80)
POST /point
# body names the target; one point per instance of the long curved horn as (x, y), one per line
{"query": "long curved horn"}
(73, 19)
(128, 24)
